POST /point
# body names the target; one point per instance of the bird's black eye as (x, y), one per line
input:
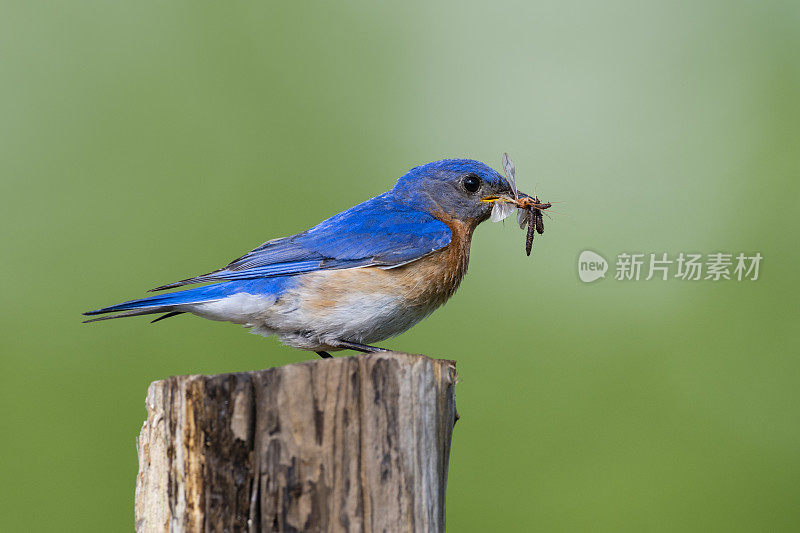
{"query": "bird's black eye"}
(471, 183)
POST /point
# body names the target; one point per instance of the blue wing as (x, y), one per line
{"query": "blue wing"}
(379, 232)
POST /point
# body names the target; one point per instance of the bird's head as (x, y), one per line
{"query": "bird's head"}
(455, 187)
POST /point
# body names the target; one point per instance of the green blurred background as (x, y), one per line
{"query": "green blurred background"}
(142, 142)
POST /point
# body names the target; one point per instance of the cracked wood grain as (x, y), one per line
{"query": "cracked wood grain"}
(346, 444)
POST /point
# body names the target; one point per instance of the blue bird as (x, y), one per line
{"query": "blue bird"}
(359, 277)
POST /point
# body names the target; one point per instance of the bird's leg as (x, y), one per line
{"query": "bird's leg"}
(324, 355)
(359, 347)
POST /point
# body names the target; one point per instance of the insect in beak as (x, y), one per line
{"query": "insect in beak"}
(529, 208)
(502, 208)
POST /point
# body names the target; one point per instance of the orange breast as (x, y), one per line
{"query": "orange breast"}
(433, 279)
(424, 284)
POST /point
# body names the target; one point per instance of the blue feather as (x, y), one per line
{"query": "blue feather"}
(208, 293)
(380, 232)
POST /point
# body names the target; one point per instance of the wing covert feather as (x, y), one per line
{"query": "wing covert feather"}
(378, 232)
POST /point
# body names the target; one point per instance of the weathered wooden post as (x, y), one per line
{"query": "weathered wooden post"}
(345, 444)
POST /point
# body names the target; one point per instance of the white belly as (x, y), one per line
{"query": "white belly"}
(358, 317)
(298, 319)
(361, 305)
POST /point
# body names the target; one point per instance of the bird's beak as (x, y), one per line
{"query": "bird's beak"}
(503, 197)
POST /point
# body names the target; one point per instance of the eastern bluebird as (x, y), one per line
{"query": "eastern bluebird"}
(359, 277)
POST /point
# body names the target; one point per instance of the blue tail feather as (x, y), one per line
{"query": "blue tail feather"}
(208, 293)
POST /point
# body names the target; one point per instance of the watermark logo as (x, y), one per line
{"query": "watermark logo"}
(630, 266)
(591, 266)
